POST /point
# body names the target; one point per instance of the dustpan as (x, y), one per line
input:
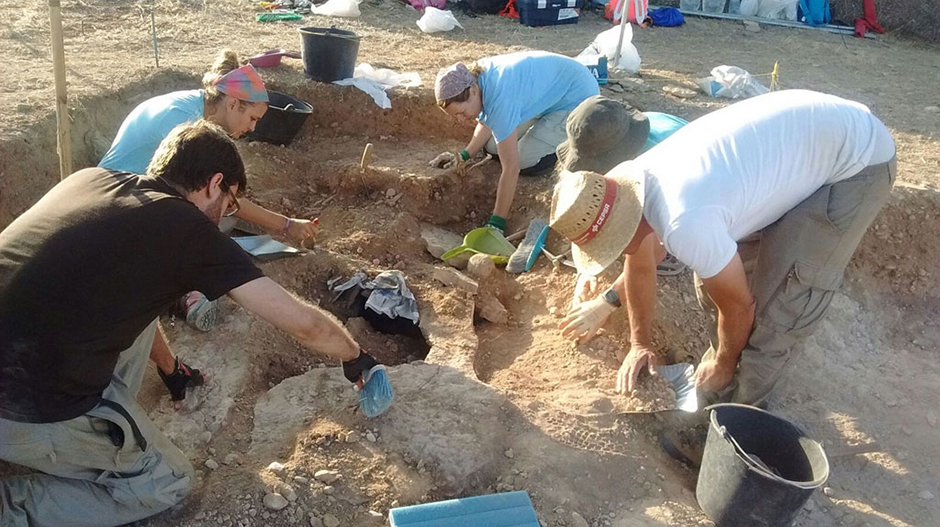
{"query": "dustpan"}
(483, 241)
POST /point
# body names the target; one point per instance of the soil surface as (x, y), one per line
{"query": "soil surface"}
(489, 406)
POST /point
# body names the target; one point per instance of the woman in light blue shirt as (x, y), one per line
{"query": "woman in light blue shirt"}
(520, 102)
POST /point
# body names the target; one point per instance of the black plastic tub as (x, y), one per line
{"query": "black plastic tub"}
(329, 54)
(285, 117)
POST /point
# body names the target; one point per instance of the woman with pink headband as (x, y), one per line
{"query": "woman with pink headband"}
(234, 98)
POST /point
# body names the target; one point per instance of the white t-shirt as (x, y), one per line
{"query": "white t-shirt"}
(739, 169)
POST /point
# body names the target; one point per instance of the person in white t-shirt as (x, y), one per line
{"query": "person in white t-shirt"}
(766, 200)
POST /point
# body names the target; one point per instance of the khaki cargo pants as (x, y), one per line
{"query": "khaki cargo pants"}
(537, 138)
(794, 266)
(86, 479)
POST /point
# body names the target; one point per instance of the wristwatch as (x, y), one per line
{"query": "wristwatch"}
(612, 297)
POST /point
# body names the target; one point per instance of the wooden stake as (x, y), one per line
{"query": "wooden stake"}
(61, 96)
(153, 30)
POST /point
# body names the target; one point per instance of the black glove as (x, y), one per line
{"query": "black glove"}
(353, 369)
(182, 377)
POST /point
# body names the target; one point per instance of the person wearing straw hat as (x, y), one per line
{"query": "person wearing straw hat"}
(233, 97)
(520, 102)
(601, 134)
(766, 200)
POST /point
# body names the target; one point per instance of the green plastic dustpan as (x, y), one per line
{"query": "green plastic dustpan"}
(483, 241)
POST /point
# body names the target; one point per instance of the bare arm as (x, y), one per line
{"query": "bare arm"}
(508, 150)
(731, 295)
(639, 291)
(481, 134)
(254, 213)
(639, 282)
(316, 329)
(299, 230)
(160, 352)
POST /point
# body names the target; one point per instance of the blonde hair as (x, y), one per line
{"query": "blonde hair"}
(226, 61)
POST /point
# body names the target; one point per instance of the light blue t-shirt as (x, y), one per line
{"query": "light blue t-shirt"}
(522, 86)
(146, 126)
(662, 125)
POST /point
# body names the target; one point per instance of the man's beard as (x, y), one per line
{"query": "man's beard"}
(214, 210)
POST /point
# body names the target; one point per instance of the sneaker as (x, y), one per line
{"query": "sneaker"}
(670, 266)
(201, 313)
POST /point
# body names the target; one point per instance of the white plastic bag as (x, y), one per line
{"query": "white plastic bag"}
(342, 8)
(778, 9)
(435, 20)
(605, 44)
(749, 7)
(731, 82)
(386, 77)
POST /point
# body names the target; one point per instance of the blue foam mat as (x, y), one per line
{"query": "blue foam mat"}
(508, 509)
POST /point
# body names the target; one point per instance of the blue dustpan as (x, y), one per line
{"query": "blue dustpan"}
(508, 509)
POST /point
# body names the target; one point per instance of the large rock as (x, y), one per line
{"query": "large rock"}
(481, 267)
(439, 416)
(452, 278)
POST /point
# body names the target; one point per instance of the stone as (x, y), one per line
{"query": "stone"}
(677, 91)
(828, 491)
(488, 307)
(352, 437)
(326, 476)
(274, 501)
(508, 453)
(752, 26)
(932, 109)
(614, 87)
(931, 418)
(206, 436)
(211, 464)
(300, 480)
(230, 459)
(481, 267)
(578, 521)
(315, 521)
(452, 278)
(907, 431)
(370, 437)
(329, 490)
(390, 193)
(925, 495)
(276, 467)
(809, 505)
(438, 241)
(287, 491)
(330, 521)
(376, 515)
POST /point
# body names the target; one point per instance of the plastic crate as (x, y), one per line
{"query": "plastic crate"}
(536, 13)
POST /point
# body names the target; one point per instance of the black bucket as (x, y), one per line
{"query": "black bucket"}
(285, 117)
(329, 54)
(758, 469)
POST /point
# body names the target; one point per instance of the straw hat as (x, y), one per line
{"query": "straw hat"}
(598, 214)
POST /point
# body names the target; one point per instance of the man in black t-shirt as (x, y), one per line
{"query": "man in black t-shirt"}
(84, 274)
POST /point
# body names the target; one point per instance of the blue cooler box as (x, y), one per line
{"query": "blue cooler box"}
(537, 13)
